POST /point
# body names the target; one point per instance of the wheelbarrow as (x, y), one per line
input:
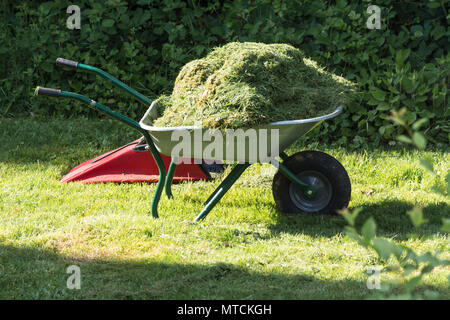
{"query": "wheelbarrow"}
(309, 182)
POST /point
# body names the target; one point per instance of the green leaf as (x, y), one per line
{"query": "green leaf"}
(349, 216)
(401, 57)
(408, 269)
(412, 283)
(427, 164)
(416, 216)
(368, 230)
(76, 85)
(411, 117)
(378, 94)
(45, 7)
(351, 232)
(419, 140)
(419, 123)
(108, 23)
(383, 106)
(396, 250)
(431, 295)
(47, 67)
(445, 225)
(447, 179)
(404, 139)
(427, 269)
(383, 247)
(408, 84)
(433, 4)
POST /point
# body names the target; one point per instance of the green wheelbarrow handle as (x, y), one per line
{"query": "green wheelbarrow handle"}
(99, 107)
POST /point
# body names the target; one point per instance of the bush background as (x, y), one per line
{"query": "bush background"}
(144, 43)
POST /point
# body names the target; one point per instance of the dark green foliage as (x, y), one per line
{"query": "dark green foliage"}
(145, 43)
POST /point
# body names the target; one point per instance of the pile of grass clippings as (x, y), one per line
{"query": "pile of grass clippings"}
(249, 84)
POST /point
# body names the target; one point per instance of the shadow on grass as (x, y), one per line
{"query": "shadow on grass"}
(390, 216)
(56, 141)
(32, 273)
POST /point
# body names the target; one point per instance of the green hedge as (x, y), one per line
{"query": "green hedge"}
(144, 43)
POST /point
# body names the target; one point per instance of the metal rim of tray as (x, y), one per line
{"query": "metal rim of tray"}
(144, 126)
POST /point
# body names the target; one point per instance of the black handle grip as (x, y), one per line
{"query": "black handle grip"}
(49, 92)
(67, 63)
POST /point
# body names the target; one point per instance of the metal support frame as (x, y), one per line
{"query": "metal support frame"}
(283, 155)
(304, 187)
(220, 191)
(169, 178)
(232, 177)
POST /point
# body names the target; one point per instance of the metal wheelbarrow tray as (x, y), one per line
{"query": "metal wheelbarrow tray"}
(306, 182)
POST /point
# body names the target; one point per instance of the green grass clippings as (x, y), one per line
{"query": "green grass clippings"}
(248, 84)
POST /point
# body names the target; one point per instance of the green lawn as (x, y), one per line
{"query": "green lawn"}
(245, 249)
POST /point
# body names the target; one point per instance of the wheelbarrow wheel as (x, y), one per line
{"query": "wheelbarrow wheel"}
(323, 173)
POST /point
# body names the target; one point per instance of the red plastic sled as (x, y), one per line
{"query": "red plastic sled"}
(131, 163)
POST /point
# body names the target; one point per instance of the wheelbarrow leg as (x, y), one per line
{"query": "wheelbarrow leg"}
(217, 189)
(162, 174)
(283, 155)
(169, 178)
(222, 189)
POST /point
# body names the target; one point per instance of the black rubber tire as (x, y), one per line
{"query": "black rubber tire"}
(337, 186)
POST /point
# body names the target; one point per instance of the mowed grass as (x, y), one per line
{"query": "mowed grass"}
(245, 249)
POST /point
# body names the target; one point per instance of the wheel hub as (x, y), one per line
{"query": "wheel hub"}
(317, 201)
